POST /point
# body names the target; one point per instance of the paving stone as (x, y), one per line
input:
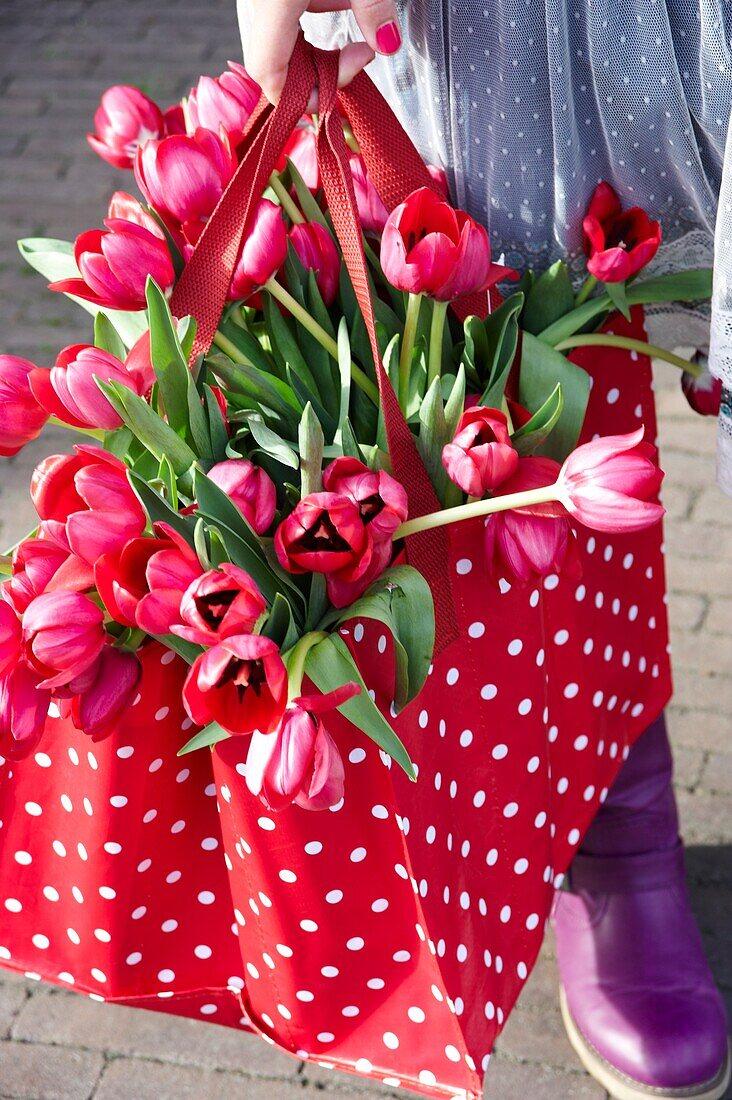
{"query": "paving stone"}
(706, 818)
(70, 1020)
(136, 1079)
(509, 1080)
(700, 729)
(39, 1072)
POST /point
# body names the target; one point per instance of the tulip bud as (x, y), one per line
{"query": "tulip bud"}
(63, 635)
(607, 484)
(241, 683)
(124, 120)
(301, 149)
(264, 251)
(702, 391)
(222, 602)
(528, 542)
(227, 100)
(21, 417)
(315, 250)
(380, 498)
(371, 211)
(69, 391)
(23, 710)
(481, 455)
(618, 243)
(250, 488)
(10, 635)
(116, 678)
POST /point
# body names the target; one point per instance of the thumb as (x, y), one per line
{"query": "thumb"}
(379, 24)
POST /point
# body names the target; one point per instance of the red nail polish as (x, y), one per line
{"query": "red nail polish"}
(388, 38)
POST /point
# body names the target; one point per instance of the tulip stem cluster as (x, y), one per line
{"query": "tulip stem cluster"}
(629, 344)
(526, 499)
(285, 200)
(414, 301)
(309, 323)
(296, 659)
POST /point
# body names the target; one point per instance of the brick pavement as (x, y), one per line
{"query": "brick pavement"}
(58, 56)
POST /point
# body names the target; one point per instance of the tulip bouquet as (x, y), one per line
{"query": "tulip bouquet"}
(239, 505)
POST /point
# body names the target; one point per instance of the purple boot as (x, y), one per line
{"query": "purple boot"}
(638, 999)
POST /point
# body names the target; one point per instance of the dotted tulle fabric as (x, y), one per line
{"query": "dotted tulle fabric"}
(390, 936)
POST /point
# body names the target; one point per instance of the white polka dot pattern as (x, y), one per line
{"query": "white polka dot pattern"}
(392, 935)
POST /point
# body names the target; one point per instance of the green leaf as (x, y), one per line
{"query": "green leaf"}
(216, 427)
(344, 368)
(501, 329)
(433, 436)
(330, 665)
(201, 545)
(169, 362)
(401, 599)
(618, 295)
(551, 296)
(147, 426)
(266, 389)
(284, 345)
(311, 442)
(272, 443)
(542, 368)
(158, 510)
(533, 434)
(207, 737)
(167, 475)
(280, 626)
(305, 197)
(54, 260)
(455, 404)
(107, 338)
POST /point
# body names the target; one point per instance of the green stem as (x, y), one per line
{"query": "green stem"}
(285, 200)
(295, 661)
(95, 433)
(437, 327)
(228, 346)
(405, 357)
(602, 340)
(131, 639)
(6, 566)
(479, 508)
(309, 323)
(585, 290)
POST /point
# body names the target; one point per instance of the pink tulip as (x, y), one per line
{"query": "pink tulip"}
(115, 262)
(227, 100)
(702, 391)
(124, 120)
(300, 761)
(316, 252)
(21, 417)
(63, 634)
(343, 591)
(175, 120)
(45, 563)
(430, 248)
(439, 178)
(481, 455)
(241, 683)
(68, 390)
(250, 488)
(264, 251)
(169, 572)
(324, 534)
(183, 177)
(116, 678)
(528, 542)
(380, 498)
(11, 634)
(371, 211)
(23, 710)
(222, 602)
(608, 484)
(301, 149)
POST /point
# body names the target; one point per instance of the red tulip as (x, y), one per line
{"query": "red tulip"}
(380, 498)
(113, 687)
(241, 683)
(324, 534)
(702, 391)
(11, 634)
(371, 211)
(115, 262)
(63, 634)
(533, 541)
(120, 577)
(227, 100)
(617, 242)
(301, 149)
(219, 604)
(481, 455)
(68, 390)
(169, 572)
(343, 591)
(184, 176)
(316, 252)
(608, 484)
(264, 251)
(250, 488)
(124, 120)
(46, 564)
(439, 178)
(23, 710)
(174, 119)
(430, 248)
(299, 762)
(21, 417)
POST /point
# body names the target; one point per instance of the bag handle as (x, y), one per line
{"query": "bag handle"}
(389, 154)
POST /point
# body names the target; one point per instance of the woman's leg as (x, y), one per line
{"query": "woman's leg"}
(638, 998)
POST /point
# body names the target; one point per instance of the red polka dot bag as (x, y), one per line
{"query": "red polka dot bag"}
(390, 934)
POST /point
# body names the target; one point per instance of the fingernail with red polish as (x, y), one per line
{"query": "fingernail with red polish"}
(388, 38)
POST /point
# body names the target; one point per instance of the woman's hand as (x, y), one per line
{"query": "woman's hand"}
(273, 30)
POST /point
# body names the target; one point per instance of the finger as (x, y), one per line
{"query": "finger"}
(379, 24)
(273, 32)
(352, 59)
